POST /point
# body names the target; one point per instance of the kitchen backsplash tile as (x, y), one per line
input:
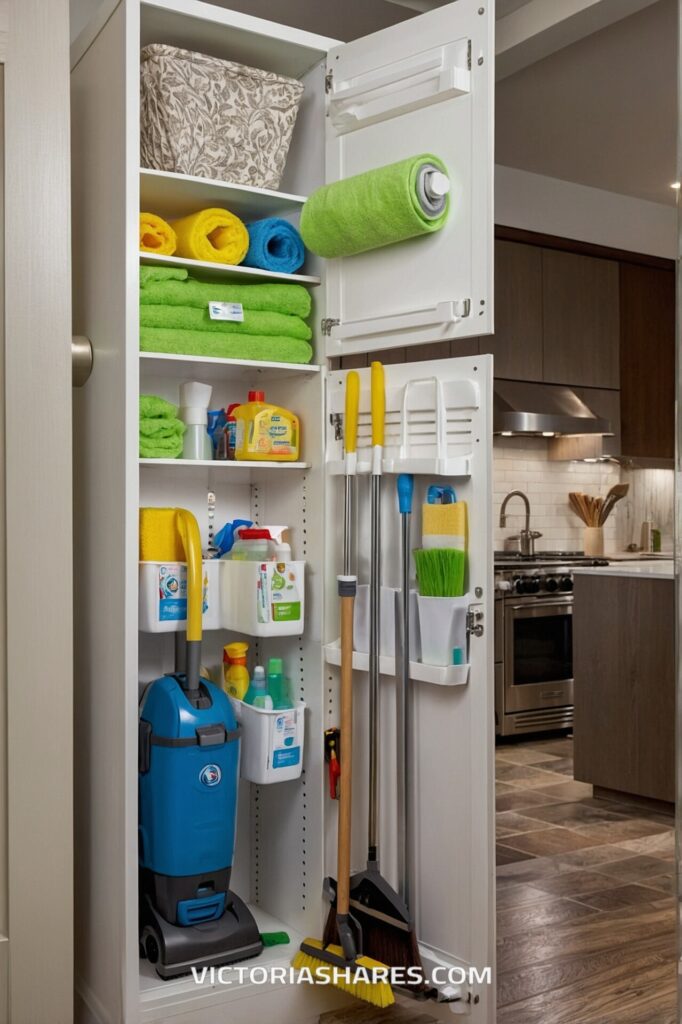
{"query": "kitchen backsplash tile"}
(525, 467)
(651, 494)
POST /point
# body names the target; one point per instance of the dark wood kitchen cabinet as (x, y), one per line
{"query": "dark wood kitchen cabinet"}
(517, 342)
(624, 689)
(580, 310)
(647, 361)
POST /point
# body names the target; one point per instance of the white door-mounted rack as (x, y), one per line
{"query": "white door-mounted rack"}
(439, 675)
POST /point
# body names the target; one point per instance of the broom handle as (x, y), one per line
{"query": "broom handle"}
(378, 408)
(347, 587)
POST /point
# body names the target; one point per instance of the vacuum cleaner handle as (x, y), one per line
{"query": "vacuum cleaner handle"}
(191, 541)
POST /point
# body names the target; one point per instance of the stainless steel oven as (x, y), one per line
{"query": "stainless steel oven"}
(538, 653)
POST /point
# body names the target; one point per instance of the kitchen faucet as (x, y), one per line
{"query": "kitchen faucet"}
(527, 536)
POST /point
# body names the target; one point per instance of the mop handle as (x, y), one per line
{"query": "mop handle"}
(350, 445)
(405, 487)
(378, 408)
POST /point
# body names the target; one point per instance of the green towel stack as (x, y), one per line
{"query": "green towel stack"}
(174, 318)
(160, 430)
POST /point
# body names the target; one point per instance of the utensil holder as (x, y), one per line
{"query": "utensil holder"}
(593, 541)
(442, 627)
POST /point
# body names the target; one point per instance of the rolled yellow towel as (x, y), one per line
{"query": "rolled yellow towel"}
(156, 235)
(215, 236)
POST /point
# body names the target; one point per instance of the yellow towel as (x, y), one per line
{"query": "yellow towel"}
(214, 235)
(156, 235)
(160, 539)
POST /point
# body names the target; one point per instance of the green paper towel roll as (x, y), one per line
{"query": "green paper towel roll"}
(389, 204)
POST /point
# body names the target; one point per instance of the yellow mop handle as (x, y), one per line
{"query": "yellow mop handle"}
(378, 404)
(352, 411)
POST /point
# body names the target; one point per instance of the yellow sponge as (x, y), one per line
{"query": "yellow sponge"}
(160, 539)
(445, 526)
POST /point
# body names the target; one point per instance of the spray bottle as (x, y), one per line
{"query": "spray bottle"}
(194, 401)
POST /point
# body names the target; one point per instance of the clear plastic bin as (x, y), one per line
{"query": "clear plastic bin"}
(272, 742)
(262, 598)
(163, 596)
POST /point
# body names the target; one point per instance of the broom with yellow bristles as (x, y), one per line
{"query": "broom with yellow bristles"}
(343, 965)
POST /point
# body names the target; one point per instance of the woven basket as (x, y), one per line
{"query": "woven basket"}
(214, 118)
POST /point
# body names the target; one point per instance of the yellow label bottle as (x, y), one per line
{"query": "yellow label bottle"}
(266, 432)
(235, 673)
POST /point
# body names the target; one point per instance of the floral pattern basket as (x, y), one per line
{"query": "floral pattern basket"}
(215, 118)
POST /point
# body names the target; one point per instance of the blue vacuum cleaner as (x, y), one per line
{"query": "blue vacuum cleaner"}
(188, 782)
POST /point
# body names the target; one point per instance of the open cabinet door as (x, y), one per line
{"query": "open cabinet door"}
(424, 86)
(36, 582)
(438, 428)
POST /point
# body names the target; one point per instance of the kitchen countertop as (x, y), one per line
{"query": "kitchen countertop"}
(654, 569)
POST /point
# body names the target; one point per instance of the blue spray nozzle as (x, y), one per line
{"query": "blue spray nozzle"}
(405, 491)
(441, 495)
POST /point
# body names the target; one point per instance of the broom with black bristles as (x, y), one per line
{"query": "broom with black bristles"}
(338, 958)
(382, 916)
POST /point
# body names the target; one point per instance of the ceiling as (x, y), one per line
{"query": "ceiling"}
(601, 112)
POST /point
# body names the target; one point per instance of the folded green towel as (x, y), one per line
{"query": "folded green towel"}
(151, 406)
(161, 428)
(187, 318)
(225, 346)
(160, 448)
(166, 287)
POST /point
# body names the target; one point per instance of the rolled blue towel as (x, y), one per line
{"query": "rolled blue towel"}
(274, 244)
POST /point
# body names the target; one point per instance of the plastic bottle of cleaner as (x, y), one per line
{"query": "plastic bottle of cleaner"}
(235, 673)
(257, 693)
(266, 432)
(253, 545)
(278, 686)
(194, 400)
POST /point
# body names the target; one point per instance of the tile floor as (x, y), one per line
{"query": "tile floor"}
(585, 905)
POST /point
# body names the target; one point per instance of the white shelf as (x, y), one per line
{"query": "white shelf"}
(219, 465)
(158, 995)
(440, 675)
(176, 367)
(225, 272)
(460, 466)
(172, 195)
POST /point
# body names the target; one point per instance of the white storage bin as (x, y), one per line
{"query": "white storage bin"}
(442, 627)
(262, 598)
(272, 742)
(163, 596)
(215, 118)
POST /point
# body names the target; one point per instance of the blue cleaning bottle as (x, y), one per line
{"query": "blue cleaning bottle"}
(257, 693)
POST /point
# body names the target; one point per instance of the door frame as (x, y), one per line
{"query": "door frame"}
(38, 508)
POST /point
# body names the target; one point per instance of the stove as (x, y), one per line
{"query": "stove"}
(534, 640)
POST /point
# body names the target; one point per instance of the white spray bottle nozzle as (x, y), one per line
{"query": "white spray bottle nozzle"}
(195, 398)
(276, 532)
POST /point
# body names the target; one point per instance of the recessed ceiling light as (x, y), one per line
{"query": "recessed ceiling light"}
(676, 185)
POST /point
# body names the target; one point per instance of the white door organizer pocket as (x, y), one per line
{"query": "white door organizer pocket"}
(263, 598)
(163, 596)
(272, 742)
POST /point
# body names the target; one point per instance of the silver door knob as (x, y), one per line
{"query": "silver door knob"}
(81, 360)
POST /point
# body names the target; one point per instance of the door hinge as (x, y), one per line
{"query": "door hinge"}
(327, 322)
(329, 81)
(469, 56)
(475, 625)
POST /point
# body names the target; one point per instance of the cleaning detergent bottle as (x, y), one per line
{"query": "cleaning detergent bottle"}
(253, 545)
(235, 673)
(257, 693)
(266, 432)
(278, 685)
(194, 402)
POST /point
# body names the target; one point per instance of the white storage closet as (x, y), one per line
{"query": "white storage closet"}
(382, 101)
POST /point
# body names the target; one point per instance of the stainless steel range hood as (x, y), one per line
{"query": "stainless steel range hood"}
(545, 409)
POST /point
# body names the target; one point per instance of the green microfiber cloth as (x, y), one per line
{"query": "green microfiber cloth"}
(369, 210)
(440, 571)
(275, 938)
(225, 346)
(160, 428)
(161, 448)
(171, 289)
(153, 407)
(187, 318)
